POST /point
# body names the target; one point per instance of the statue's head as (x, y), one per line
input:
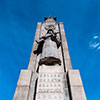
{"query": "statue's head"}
(50, 31)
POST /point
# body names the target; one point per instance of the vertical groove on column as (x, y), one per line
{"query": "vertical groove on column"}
(62, 48)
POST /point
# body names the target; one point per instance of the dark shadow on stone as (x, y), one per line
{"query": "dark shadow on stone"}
(39, 49)
(35, 89)
(49, 61)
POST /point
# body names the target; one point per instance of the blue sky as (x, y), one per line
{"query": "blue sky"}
(18, 20)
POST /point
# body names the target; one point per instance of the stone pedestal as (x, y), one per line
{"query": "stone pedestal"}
(52, 83)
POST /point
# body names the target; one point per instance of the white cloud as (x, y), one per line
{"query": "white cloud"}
(95, 42)
(95, 37)
(93, 45)
(98, 48)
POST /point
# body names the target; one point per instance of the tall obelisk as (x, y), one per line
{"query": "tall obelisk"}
(49, 75)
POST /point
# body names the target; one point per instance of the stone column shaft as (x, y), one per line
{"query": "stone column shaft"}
(33, 57)
(65, 51)
(76, 86)
(23, 85)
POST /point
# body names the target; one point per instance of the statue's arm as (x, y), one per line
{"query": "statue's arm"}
(39, 40)
(45, 37)
(39, 45)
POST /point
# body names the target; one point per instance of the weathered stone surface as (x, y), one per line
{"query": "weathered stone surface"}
(21, 93)
(24, 78)
(60, 55)
(67, 61)
(51, 69)
(77, 93)
(76, 87)
(50, 86)
(65, 85)
(74, 78)
(33, 57)
(66, 94)
(50, 96)
(67, 55)
(32, 86)
(68, 64)
(64, 47)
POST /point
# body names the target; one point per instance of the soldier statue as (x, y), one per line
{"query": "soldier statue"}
(48, 47)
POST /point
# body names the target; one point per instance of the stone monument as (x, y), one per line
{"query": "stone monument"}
(49, 75)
